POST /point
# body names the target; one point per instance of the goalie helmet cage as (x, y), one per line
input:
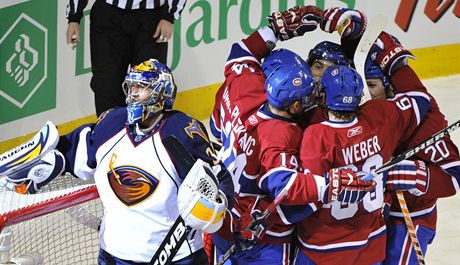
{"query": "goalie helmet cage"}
(60, 222)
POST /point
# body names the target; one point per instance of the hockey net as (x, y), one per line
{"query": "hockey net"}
(58, 225)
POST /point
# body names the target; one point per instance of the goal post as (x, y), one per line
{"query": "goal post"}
(60, 223)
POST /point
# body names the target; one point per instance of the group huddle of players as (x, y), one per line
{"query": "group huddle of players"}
(295, 128)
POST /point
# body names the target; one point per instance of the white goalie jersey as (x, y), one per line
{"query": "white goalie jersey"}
(137, 180)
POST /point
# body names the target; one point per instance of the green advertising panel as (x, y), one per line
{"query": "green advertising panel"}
(27, 59)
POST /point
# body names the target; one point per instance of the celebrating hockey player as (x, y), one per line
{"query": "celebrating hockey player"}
(323, 55)
(137, 176)
(442, 157)
(260, 143)
(362, 139)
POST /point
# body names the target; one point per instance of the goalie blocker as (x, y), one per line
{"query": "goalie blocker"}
(33, 164)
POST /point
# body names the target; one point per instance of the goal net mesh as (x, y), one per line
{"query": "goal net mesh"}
(67, 236)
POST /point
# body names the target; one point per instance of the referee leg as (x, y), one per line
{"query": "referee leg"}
(109, 55)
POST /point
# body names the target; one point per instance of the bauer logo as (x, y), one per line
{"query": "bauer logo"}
(27, 67)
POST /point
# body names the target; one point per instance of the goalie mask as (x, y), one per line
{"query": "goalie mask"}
(149, 88)
(201, 204)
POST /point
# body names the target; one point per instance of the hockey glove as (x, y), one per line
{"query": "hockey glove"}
(345, 186)
(225, 183)
(388, 53)
(295, 21)
(252, 225)
(34, 176)
(349, 23)
(412, 176)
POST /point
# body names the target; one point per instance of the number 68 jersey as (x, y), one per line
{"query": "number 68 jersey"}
(355, 231)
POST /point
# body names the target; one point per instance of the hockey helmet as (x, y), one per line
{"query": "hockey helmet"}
(327, 50)
(343, 87)
(371, 70)
(287, 84)
(281, 57)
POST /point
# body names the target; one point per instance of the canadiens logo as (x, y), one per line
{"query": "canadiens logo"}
(297, 81)
(131, 185)
(354, 131)
(335, 72)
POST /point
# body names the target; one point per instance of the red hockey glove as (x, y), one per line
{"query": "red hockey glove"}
(295, 21)
(412, 176)
(346, 186)
(388, 53)
(349, 23)
(251, 226)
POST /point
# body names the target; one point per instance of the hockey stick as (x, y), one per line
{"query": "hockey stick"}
(375, 26)
(410, 227)
(253, 225)
(400, 195)
(408, 153)
(179, 231)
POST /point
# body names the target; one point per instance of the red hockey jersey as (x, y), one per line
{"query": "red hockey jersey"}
(355, 231)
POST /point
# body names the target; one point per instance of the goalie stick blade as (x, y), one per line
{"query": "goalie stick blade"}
(375, 26)
(179, 231)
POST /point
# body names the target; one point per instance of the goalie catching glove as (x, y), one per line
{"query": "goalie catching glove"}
(36, 174)
(201, 204)
(407, 175)
(295, 21)
(345, 186)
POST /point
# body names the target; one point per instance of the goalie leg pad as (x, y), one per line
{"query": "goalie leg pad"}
(39, 173)
(19, 157)
(201, 204)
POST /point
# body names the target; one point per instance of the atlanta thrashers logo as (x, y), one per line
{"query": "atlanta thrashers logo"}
(131, 185)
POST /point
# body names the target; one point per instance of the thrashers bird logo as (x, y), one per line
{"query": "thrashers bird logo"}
(131, 185)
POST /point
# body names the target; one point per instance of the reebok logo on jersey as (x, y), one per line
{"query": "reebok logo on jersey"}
(354, 131)
(252, 119)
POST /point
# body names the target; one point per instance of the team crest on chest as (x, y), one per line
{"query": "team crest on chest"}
(131, 185)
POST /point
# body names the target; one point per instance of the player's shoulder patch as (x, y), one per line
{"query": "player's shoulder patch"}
(181, 123)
